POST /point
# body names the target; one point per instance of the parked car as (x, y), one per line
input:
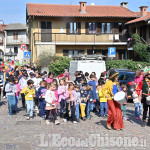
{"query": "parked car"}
(118, 70)
(128, 79)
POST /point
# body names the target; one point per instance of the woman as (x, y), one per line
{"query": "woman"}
(110, 88)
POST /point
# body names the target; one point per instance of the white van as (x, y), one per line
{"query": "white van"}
(87, 63)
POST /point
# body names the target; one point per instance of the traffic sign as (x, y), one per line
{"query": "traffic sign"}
(27, 54)
(23, 47)
(111, 51)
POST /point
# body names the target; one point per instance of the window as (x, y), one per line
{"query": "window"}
(73, 27)
(16, 50)
(71, 53)
(120, 25)
(90, 27)
(106, 27)
(121, 77)
(15, 36)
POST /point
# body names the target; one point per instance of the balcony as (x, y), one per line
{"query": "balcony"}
(19, 41)
(80, 39)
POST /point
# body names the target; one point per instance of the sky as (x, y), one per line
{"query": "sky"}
(14, 11)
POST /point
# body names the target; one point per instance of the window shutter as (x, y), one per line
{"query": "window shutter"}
(86, 27)
(116, 27)
(68, 28)
(79, 27)
(99, 27)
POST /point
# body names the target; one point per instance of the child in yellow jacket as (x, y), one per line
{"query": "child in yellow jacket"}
(29, 92)
(103, 102)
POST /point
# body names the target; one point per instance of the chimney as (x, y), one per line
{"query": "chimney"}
(124, 4)
(82, 7)
(144, 10)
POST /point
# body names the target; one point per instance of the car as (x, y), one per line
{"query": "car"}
(117, 70)
(128, 79)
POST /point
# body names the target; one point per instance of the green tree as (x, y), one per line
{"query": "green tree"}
(140, 49)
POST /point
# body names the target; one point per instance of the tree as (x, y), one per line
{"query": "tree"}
(140, 49)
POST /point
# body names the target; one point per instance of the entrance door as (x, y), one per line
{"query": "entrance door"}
(46, 31)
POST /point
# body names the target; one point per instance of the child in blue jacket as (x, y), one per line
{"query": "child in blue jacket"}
(41, 95)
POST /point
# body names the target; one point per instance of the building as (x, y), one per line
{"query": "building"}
(140, 25)
(16, 35)
(2, 39)
(66, 30)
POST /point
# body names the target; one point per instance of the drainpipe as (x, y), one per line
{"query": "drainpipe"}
(136, 27)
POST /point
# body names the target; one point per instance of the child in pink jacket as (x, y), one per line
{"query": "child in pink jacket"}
(17, 93)
(62, 98)
(70, 102)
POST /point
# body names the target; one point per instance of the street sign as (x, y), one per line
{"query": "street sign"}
(27, 54)
(23, 47)
(111, 51)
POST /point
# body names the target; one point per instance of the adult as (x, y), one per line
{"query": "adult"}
(16, 71)
(144, 86)
(110, 88)
(50, 77)
(139, 77)
(65, 74)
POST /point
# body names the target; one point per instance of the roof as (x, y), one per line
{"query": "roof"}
(2, 27)
(54, 10)
(16, 26)
(144, 18)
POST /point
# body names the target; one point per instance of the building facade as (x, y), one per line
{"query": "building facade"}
(67, 30)
(2, 40)
(16, 35)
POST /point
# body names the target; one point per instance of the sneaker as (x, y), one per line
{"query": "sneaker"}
(4, 96)
(84, 118)
(74, 122)
(106, 116)
(47, 122)
(57, 122)
(78, 120)
(28, 118)
(144, 124)
(36, 108)
(124, 118)
(89, 118)
(64, 120)
(37, 111)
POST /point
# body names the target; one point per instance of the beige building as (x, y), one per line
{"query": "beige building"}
(67, 30)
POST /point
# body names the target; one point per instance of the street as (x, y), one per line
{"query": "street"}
(19, 134)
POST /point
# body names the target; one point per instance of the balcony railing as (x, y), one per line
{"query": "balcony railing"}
(60, 38)
(18, 41)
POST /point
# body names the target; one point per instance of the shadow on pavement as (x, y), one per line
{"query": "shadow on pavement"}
(2, 103)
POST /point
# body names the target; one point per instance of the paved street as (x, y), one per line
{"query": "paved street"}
(19, 134)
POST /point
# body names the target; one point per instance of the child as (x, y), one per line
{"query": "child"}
(123, 106)
(17, 93)
(50, 103)
(103, 101)
(29, 92)
(89, 101)
(70, 102)
(78, 101)
(50, 77)
(93, 84)
(137, 103)
(10, 90)
(41, 95)
(84, 94)
(62, 98)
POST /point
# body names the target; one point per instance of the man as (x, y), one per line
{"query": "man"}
(143, 90)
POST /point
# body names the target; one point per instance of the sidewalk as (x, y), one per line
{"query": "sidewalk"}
(16, 133)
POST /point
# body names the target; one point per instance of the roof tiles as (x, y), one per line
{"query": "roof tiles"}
(74, 11)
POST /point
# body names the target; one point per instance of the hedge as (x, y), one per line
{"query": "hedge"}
(59, 65)
(126, 64)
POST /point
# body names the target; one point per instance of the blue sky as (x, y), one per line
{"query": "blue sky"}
(14, 11)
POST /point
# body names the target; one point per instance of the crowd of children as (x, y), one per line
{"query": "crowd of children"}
(48, 97)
